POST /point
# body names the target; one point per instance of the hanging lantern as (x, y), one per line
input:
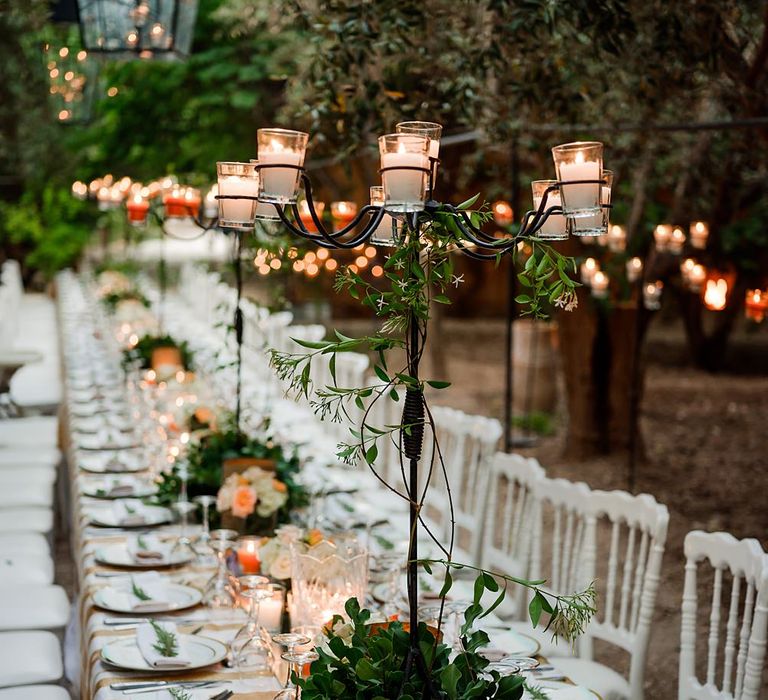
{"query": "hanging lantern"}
(159, 29)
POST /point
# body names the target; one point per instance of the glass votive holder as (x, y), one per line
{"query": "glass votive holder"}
(555, 228)
(676, 241)
(137, 208)
(661, 237)
(696, 277)
(306, 217)
(271, 609)
(405, 171)
(211, 204)
(652, 295)
(596, 224)
(280, 147)
(386, 233)
(575, 163)
(343, 212)
(237, 180)
(600, 285)
(698, 233)
(433, 131)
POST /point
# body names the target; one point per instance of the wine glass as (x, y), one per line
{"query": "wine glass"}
(183, 545)
(296, 662)
(203, 539)
(289, 640)
(248, 647)
(219, 592)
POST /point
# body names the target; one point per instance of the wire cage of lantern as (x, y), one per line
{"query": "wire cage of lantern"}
(149, 29)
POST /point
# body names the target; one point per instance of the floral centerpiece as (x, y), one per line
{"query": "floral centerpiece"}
(156, 351)
(262, 494)
(118, 301)
(275, 552)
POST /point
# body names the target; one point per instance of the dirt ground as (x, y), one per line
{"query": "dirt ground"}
(706, 457)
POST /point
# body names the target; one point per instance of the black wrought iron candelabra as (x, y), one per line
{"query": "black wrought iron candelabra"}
(470, 240)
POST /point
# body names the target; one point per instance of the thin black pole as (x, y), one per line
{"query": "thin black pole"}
(509, 380)
(162, 274)
(239, 324)
(634, 389)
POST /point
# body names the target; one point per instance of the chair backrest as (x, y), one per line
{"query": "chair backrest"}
(743, 652)
(510, 513)
(634, 532)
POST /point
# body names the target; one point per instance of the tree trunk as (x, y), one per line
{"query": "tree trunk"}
(597, 350)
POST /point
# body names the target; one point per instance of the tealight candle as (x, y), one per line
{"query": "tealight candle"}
(676, 241)
(661, 235)
(699, 233)
(588, 269)
(237, 179)
(343, 212)
(652, 295)
(271, 609)
(502, 213)
(686, 266)
(211, 207)
(280, 147)
(696, 276)
(386, 232)
(555, 228)
(137, 208)
(599, 285)
(575, 162)
(634, 269)
(248, 554)
(405, 171)
(756, 305)
(306, 217)
(617, 238)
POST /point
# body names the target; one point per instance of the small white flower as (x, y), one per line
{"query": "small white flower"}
(457, 280)
(399, 264)
(403, 285)
(380, 303)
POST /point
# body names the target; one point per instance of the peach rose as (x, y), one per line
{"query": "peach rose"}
(243, 502)
(279, 486)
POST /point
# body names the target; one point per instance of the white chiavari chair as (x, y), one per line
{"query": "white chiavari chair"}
(511, 511)
(742, 651)
(633, 532)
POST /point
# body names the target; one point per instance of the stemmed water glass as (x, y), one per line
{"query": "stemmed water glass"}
(203, 540)
(248, 647)
(183, 545)
(390, 563)
(219, 592)
(289, 640)
(296, 662)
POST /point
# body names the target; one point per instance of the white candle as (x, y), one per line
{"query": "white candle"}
(279, 184)
(661, 235)
(652, 295)
(556, 226)
(588, 269)
(699, 232)
(238, 211)
(676, 241)
(591, 224)
(404, 188)
(211, 208)
(634, 269)
(271, 612)
(580, 200)
(695, 278)
(617, 238)
(599, 285)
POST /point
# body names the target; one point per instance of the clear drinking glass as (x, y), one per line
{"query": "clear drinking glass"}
(289, 640)
(219, 592)
(391, 564)
(203, 540)
(183, 545)
(555, 228)
(386, 233)
(248, 648)
(577, 162)
(281, 147)
(405, 171)
(596, 224)
(432, 130)
(296, 663)
(237, 180)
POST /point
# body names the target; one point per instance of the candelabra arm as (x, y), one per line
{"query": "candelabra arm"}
(198, 223)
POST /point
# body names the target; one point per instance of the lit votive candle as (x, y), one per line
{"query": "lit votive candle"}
(676, 241)
(596, 224)
(652, 295)
(433, 132)
(634, 269)
(405, 171)
(502, 213)
(306, 217)
(588, 269)
(271, 609)
(574, 162)
(696, 276)
(343, 212)
(699, 233)
(137, 208)
(756, 305)
(617, 238)
(237, 180)
(555, 228)
(281, 147)
(211, 206)
(661, 236)
(600, 285)
(248, 554)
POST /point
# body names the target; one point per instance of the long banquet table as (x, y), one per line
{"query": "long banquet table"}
(85, 342)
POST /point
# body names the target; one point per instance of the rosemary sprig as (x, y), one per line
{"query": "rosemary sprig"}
(179, 694)
(139, 592)
(141, 542)
(535, 692)
(167, 644)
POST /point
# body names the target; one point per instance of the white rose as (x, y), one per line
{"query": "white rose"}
(288, 534)
(281, 567)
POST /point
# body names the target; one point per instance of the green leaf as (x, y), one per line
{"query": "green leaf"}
(449, 679)
(523, 299)
(469, 202)
(371, 453)
(332, 367)
(446, 586)
(436, 384)
(381, 374)
(365, 670)
(523, 279)
(441, 299)
(312, 344)
(535, 608)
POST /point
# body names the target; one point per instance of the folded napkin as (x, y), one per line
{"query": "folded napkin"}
(146, 592)
(147, 549)
(129, 513)
(117, 488)
(147, 641)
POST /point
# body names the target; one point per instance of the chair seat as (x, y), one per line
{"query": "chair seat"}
(29, 519)
(20, 568)
(24, 543)
(30, 607)
(29, 657)
(35, 692)
(34, 431)
(606, 682)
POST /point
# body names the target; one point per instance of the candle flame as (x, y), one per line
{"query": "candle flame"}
(276, 146)
(716, 294)
(401, 147)
(579, 157)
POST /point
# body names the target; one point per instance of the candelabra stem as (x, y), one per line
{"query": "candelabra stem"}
(238, 325)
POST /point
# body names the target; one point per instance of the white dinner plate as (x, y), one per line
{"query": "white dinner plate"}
(509, 643)
(112, 463)
(118, 555)
(556, 690)
(179, 598)
(153, 516)
(202, 652)
(101, 489)
(99, 442)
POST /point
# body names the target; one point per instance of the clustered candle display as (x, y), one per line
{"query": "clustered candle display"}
(555, 228)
